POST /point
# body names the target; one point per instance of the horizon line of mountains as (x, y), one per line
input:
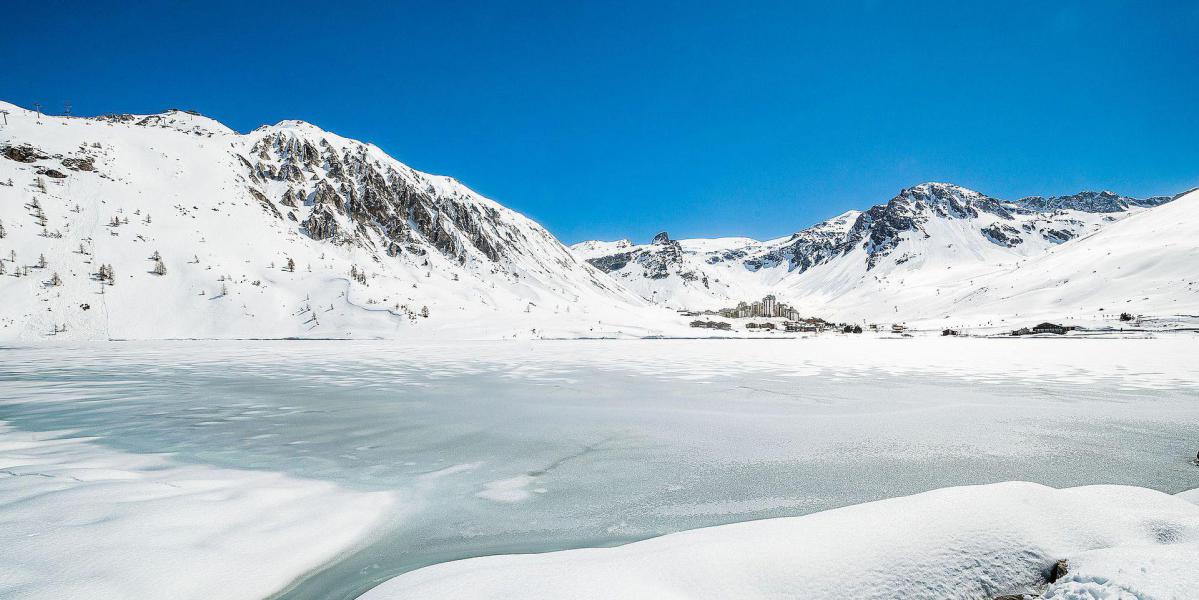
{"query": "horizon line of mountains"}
(345, 211)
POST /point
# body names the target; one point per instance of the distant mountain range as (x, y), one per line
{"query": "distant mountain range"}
(937, 252)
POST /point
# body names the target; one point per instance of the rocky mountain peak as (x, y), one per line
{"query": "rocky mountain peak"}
(946, 199)
(1089, 201)
(661, 239)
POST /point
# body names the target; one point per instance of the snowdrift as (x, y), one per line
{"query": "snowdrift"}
(974, 543)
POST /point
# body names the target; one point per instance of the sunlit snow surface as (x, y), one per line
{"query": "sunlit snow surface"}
(531, 446)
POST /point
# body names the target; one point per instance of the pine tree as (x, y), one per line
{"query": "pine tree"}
(2, 234)
(224, 290)
(156, 256)
(2, 267)
(147, 218)
(41, 261)
(55, 281)
(159, 268)
(291, 265)
(424, 311)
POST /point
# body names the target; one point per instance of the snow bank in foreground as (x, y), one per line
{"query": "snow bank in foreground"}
(967, 542)
(83, 521)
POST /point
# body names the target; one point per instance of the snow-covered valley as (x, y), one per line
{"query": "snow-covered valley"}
(282, 364)
(419, 454)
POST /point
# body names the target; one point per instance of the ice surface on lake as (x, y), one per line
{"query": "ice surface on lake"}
(532, 446)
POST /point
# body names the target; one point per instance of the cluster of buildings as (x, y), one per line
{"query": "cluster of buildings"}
(1045, 328)
(766, 307)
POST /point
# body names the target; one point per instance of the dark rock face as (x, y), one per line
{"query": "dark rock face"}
(661, 259)
(24, 153)
(612, 262)
(1057, 236)
(1092, 202)
(1059, 570)
(321, 224)
(1002, 235)
(358, 199)
(52, 173)
(80, 164)
(879, 229)
(266, 204)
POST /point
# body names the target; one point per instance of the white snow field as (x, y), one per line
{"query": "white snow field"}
(305, 470)
(963, 542)
(79, 520)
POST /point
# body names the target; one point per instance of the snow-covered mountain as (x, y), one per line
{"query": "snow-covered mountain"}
(173, 225)
(900, 260)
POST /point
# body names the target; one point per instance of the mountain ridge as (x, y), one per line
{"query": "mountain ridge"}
(274, 222)
(923, 226)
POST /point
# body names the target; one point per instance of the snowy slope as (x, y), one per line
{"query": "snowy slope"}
(374, 243)
(1145, 264)
(939, 276)
(967, 543)
(922, 257)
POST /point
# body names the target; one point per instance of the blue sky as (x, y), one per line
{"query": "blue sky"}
(619, 119)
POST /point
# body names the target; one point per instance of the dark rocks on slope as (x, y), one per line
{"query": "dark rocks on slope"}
(1002, 235)
(80, 164)
(23, 153)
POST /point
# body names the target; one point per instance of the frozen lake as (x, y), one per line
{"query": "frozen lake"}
(507, 447)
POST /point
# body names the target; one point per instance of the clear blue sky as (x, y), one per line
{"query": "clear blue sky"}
(618, 119)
